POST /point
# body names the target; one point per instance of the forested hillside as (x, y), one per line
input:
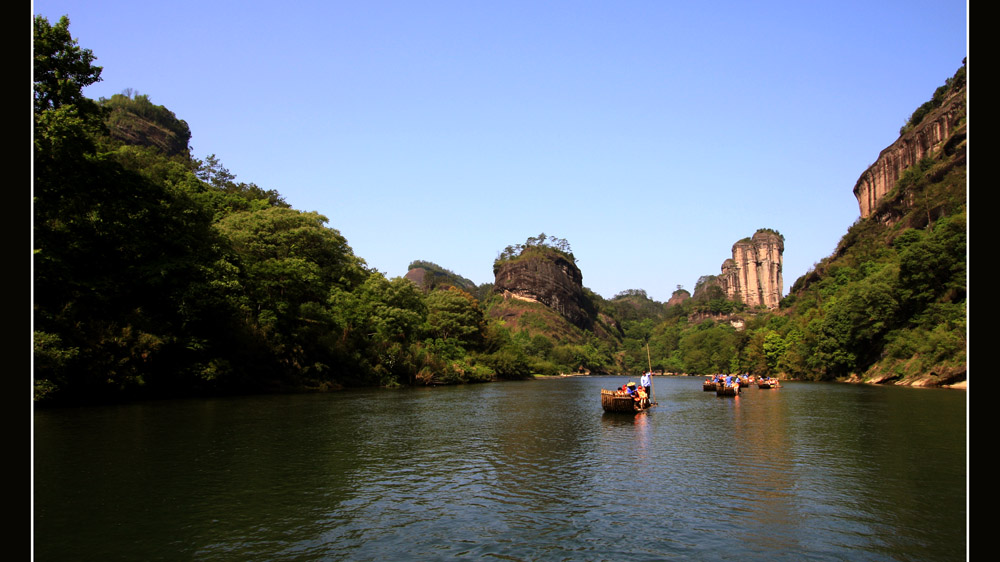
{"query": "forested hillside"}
(157, 273)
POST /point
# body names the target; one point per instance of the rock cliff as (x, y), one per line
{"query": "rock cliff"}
(133, 119)
(550, 278)
(941, 126)
(753, 274)
(428, 276)
(678, 298)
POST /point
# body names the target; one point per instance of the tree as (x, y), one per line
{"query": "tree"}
(116, 251)
(774, 349)
(377, 327)
(932, 266)
(290, 262)
(454, 314)
(61, 68)
(65, 121)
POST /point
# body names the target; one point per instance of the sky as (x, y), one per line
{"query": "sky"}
(650, 135)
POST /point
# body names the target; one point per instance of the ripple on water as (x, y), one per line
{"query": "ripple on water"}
(519, 471)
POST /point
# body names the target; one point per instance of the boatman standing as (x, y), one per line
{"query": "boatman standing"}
(646, 382)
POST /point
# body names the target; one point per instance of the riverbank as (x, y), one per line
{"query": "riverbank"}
(955, 378)
(587, 374)
(929, 381)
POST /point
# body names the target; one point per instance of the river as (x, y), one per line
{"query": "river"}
(530, 470)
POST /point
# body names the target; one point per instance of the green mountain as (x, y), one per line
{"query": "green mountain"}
(890, 304)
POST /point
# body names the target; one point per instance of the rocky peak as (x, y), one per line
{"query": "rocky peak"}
(753, 274)
(416, 275)
(133, 119)
(678, 298)
(548, 277)
(429, 275)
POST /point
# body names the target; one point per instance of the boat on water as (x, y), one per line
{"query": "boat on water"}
(768, 383)
(708, 386)
(618, 401)
(724, 390)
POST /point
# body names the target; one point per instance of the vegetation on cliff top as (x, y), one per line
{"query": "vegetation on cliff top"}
(749, 239)
(953, 84)
(435, 275)
(540, 245)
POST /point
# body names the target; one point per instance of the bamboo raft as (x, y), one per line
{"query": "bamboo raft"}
(763, 385)
(727, 391)
(709, 387)
(612, 402)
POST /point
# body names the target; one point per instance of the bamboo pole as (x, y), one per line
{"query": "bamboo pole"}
(652, 391)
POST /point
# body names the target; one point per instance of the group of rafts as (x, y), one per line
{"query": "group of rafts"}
(633, 398)
(731, 385)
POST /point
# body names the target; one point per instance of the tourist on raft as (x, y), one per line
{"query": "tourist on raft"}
(638, 394)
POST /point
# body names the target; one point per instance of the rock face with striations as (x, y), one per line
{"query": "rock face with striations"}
(753, 274)
(549, 278)
(945, 124)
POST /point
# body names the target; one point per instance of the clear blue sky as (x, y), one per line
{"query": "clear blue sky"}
(651, 135)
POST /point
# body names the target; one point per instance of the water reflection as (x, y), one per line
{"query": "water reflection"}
(523, 471)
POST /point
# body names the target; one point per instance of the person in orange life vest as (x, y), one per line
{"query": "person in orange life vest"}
(641, 396)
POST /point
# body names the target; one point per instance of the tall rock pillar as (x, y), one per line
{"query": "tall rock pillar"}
(753, 274)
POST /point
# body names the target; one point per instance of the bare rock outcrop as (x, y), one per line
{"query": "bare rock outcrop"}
(416, 275)
(753, 274)
(549, 278)
(678, 298)
(936, 129)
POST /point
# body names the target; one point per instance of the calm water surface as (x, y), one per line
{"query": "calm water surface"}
(531, 470)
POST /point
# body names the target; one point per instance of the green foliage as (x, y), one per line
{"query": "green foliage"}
(535, 245)
(771, 231)
(641, 293)
(774, 349)
(634, 304)
(932, 266)
(61, 68)
(377, 330)
(953, 83)
(212, 172)
(879, 300)
(454, 314)
(708, 348)
(509, 363)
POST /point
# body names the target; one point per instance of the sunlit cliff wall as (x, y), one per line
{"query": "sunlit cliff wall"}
(753, 274)
(929, 135)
